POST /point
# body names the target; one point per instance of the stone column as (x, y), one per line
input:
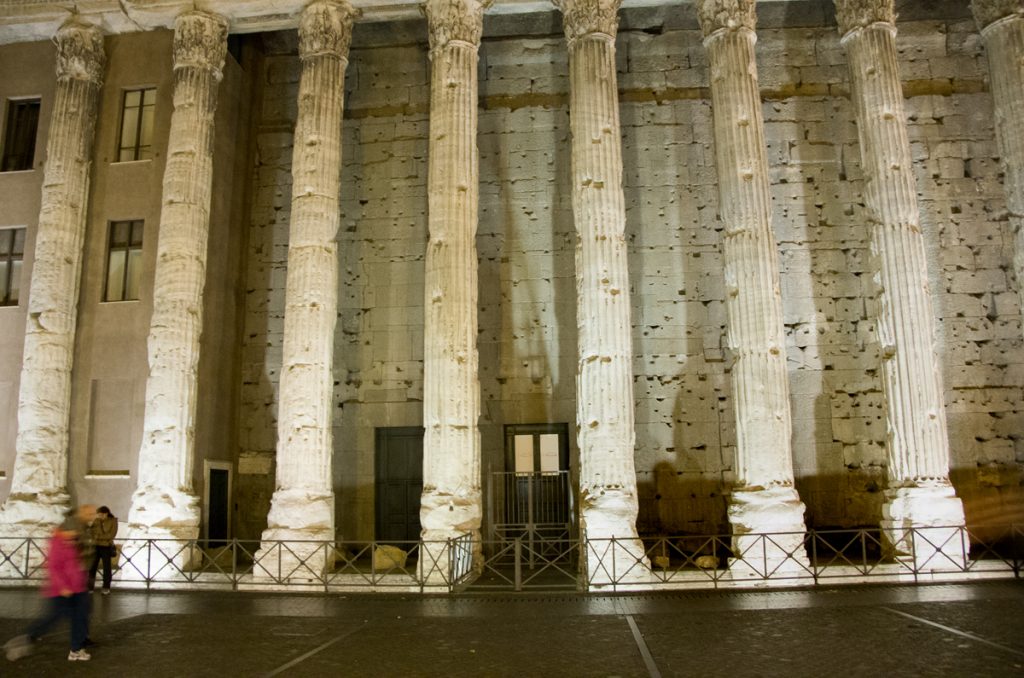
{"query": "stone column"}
(303, 504)
(919, 493)
(450, 504)
(604, 378)
(764, 499)
(39, 493)
(164, 504)
(1002, 29)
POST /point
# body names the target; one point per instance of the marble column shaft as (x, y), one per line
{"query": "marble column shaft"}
(39, 484)
(753, 297)
(451, 503)
(919, 492)
(604, 379)
(1002, 29)
(164, 495)
(303, 503)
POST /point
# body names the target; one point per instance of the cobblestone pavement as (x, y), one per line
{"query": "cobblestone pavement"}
(937, 630)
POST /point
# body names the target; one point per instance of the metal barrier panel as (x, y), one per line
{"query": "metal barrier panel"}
(519, 562)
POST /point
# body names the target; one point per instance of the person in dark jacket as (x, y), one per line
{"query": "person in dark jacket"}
(103, 531)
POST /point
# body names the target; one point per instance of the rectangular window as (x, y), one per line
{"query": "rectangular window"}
(124, 261)
(20, 136)
(136, 136)
(12, 251)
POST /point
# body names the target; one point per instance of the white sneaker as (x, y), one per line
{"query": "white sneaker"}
(79, 656)
(18, 647)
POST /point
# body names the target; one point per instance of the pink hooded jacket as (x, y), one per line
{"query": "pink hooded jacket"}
(63, 566)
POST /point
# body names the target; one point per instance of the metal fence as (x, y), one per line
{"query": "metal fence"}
(815, 557)
(420, 566)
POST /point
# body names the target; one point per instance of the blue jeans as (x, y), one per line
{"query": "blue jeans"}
(75, 608)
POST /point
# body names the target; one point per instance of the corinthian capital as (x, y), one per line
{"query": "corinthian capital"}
(853, 14)
(987, 12)
(449, 20)
(325, 27)
(200, 41)
(716, 15)
(583, 17)
(79, 52)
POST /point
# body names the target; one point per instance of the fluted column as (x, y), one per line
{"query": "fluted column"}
(1002, 29)
(302, 507)
(604, 377)
(919, 493)
(764, 499)
(164, 503)
(450, 503)
(39, 493)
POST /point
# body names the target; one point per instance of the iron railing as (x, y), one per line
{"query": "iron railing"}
(815, 557)
(422, 566)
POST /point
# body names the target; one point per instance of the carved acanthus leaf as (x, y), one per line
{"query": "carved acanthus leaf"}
(325, 27)
(582, 17)
(854, 14)
(200, 41)
(715, 15)
(80, 53)
(989, 11)
(449, 20)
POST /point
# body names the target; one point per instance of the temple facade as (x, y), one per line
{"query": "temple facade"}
(339, 270)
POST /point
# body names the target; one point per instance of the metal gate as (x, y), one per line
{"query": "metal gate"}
(530, 542)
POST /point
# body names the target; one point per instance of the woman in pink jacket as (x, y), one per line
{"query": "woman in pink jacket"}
(65, 589)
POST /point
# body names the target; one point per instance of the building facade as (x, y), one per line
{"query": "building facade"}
(327, 271)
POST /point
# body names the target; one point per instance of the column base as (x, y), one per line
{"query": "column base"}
(298, 544)
(615, 554)
(161, 535)
(923, 527)
(768, 534)
(26, 524)
(443, 517)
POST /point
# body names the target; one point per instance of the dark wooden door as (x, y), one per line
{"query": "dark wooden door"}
(217, 525)
(399, 475)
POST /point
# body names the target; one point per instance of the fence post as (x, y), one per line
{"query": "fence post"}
(518, 564)
(814, 555)
(615, 578)
(451, 565)
(913, 551)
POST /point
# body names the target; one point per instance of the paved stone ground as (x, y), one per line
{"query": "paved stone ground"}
(949, 630)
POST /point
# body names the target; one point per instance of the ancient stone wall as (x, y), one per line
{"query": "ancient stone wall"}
(527, 339)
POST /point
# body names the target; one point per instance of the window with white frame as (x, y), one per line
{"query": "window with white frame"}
(12, 252)
(124, 261)
(136, 138)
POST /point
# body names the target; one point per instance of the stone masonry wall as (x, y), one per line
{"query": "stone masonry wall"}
(527, 342)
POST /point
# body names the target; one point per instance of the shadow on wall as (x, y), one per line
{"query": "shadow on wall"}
(993, 494)
(678, 502)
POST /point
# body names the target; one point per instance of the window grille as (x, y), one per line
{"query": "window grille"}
(12, 251)
(124, 261)
(136, 136)
(20, 136)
